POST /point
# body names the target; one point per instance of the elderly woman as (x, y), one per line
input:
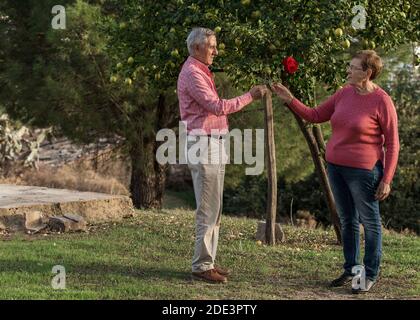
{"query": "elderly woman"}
(360, 171)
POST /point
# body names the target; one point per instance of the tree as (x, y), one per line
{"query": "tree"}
(114, 69)
(64, 78)
(402, 209)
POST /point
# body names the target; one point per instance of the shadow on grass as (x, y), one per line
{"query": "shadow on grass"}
(102, 274)
(92, 269)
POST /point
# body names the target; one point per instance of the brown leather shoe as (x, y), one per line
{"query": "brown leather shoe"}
(222, 271)
(210, 276)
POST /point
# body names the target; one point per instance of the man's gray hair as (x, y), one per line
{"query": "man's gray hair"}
(198, 36)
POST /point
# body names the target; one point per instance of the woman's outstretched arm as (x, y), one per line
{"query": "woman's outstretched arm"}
(321, 113)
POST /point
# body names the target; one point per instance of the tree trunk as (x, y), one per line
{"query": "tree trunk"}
(314, 148)
(319, 138)
(148, 177)
(270, 234)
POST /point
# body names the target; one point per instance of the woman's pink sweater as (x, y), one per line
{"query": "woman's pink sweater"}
(362, 127)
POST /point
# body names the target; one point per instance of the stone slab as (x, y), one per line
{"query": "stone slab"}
(16, 201)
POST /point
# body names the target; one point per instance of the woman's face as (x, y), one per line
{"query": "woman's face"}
(355, 72)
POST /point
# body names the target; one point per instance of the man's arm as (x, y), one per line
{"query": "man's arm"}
(200, 89)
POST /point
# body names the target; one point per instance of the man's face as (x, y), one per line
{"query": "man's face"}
(206, 52)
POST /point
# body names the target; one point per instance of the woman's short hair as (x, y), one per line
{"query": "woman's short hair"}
(370, 59)
(198, 36)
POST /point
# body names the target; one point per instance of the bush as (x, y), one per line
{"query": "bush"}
(400, 211)
(249, 198)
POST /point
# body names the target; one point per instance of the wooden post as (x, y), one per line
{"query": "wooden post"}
(270, 235)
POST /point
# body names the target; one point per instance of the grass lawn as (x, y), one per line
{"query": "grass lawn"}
(148, 257)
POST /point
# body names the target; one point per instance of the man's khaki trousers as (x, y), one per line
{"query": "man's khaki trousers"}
(208, 178)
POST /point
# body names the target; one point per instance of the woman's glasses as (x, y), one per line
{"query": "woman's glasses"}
(352, 68)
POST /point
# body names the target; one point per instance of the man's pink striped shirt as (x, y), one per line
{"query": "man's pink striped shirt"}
(200, 106)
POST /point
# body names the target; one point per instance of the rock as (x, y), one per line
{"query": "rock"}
(303, 214)
(73, 217)
(14, 222)
(95, 207)
(67, 222)
(305, 219)
(34, 222)
(261, 232)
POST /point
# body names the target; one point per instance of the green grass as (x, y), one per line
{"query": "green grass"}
(148, 257)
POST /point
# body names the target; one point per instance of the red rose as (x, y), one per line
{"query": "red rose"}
(290, 65)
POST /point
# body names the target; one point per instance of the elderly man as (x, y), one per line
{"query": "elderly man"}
(204, 113)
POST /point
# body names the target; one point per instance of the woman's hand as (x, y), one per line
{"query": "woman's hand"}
(383, 191)
(282, 92)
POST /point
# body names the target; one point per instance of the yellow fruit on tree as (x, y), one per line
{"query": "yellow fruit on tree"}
(267, 70)
(338, 32)
(345, 44)
(365, 44)
(256, 14)
(175, 53)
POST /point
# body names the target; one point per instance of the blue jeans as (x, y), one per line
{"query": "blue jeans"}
(354, 193)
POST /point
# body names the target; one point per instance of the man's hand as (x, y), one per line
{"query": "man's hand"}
(258, 91)
(383, 191)
(282, 92)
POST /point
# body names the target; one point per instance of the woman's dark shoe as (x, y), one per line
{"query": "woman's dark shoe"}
(341, 280)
